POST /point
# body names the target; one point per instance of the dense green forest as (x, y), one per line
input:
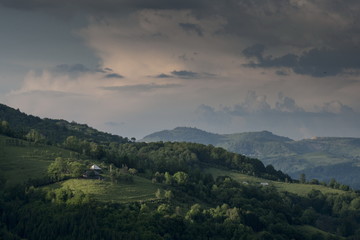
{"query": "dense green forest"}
(158, 190)
(323, 158)
(48, 130)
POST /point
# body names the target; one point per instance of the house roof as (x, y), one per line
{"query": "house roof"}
(95, 167)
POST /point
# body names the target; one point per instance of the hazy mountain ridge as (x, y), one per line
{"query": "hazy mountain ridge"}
(316, 157)
(185, 134)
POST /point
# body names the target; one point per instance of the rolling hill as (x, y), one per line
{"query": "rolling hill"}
(22, 161)
(321, 158)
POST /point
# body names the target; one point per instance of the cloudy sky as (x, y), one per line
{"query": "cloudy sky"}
(132, 67)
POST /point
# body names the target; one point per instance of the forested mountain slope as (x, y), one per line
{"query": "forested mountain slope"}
(321, 158)
(50, 130)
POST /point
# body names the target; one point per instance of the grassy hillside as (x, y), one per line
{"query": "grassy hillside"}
(21, 160)
(296, 188)
(105, 191)
(321, 158)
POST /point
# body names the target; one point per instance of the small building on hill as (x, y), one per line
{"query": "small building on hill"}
(93, 172)
(95, 168)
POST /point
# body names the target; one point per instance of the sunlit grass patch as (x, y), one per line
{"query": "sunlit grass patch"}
(296, 188)
(104, 190)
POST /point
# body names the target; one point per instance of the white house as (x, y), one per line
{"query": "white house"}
(95, 167)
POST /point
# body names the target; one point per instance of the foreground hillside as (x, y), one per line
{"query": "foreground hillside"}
(208, 200)
(159, 191)
(320, 158)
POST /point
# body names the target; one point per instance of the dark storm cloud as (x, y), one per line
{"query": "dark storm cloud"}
(331, 23)
(328, 62)
(326, 31)
(184, 74)
(315, 62)
(76, 70)
(189, 27)
(113, 75)
(141, 87)
(256, 50)
(72, 70)
(105, 6)
(163, 75)
(281, 73)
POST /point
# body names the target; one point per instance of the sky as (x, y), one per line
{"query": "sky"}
(133, 67)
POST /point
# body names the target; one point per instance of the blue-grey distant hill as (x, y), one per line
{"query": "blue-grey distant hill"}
(322, 158)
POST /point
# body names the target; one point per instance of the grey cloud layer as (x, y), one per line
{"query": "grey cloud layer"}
(329, 28)
(217, 50)
(141, 87)
(285, 118)
(315, 62)
(105, 6)
(189, 27)
(281, 21)
(184, 74)
(75, 70)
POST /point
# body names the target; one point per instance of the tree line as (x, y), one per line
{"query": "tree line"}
(225, 209)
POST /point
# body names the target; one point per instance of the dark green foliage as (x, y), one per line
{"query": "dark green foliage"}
(34, 136)
(17, 124)
(62, 168)
(120, 175)
(5, 128)
(233, 211)
(185, 157)
(302, 178)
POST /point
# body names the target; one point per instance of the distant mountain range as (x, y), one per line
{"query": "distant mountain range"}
(322, 158)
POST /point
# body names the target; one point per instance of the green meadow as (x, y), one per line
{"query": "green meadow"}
(296, 188)
(140, 189)
(21, 160)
